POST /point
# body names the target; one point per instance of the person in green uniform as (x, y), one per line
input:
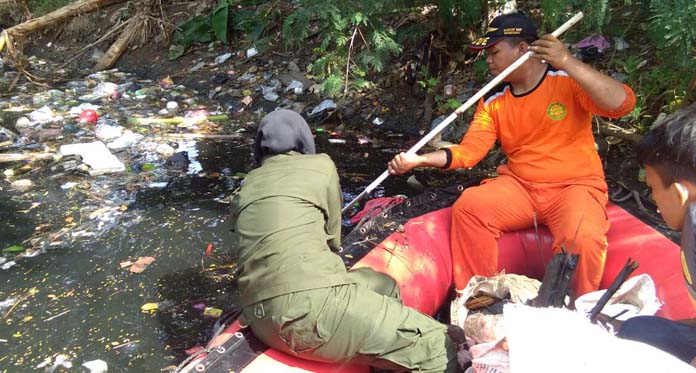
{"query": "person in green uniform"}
(296, 293)
(668, 153)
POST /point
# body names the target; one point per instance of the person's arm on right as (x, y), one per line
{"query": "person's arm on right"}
(600, 93)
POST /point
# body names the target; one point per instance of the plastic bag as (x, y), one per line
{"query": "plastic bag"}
(491, 357)
(637, 296)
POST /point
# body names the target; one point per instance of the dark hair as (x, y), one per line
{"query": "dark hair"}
(515, 40)
(670, 147)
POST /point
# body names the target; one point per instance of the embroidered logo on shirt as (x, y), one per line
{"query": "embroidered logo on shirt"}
(556, 111)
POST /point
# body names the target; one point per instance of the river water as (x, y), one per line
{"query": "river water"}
(71, 301)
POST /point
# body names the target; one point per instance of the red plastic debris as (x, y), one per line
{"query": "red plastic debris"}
(89, 116)
(193, 350)
(375, 206)
(209, 249)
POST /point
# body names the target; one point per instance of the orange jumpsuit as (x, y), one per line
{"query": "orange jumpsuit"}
(553, 174)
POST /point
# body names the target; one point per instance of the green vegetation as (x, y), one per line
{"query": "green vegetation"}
(355, 44)
(41, 7)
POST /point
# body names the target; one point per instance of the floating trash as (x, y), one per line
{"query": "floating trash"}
(323, 106)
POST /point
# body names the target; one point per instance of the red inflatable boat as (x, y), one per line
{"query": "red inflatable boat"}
(410, 242)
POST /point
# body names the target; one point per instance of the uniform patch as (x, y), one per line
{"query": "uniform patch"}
(556, 111)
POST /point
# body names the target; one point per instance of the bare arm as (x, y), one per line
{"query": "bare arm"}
(403, 162)
(606, 92)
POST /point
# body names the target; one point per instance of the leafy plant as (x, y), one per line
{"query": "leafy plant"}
(597, 14)
(253, 22)
(427, 84)
(460, 14)
(673, 28)
(353, 40)
(218, 21)
(41, 7)
(200, 29)
(480, 69)
(448, 105)
(631, 65)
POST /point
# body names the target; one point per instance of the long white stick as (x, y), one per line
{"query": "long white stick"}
(471, 101)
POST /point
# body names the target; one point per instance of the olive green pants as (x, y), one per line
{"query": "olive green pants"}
(363, 323)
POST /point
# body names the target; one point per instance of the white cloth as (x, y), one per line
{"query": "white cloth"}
(555, 340)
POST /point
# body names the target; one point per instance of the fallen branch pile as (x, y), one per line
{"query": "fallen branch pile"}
(136, 28)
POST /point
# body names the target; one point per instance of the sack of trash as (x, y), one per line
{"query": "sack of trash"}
(637, 296)
(490, 293)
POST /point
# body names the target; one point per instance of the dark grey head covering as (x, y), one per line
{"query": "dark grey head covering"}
(280, 132)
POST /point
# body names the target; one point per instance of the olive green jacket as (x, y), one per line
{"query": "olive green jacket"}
(287, 222)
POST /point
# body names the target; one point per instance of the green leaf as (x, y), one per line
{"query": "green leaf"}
(196, 30)
(332, 85)
(219, 21)
(453, 104)
(175, 51)
(361, 83)
(13, 249)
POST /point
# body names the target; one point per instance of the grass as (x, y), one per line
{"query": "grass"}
(41, 7)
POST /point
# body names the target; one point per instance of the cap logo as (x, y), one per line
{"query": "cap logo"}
(556, 111)
(512, 31)
(491, 29)
(481, 41)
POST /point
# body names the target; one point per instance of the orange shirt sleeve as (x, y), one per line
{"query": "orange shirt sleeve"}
(586, 102)
(477, 141)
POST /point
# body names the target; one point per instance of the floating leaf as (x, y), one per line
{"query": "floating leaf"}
(212, 312)
(13, 249)
(141, 264)
(149, 307)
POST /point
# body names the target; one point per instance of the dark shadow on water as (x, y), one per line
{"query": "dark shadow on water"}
(221, 163)
(14, 226)
(183, 321)
(184, 189)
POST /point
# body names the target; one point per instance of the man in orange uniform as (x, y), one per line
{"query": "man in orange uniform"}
(541, 114)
